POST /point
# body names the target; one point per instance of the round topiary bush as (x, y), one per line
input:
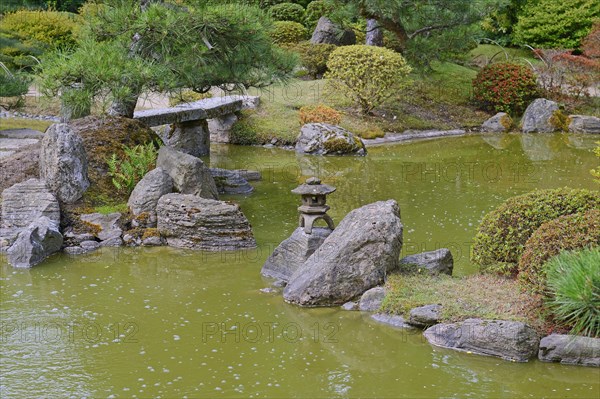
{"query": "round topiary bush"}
(270, 3)
(502, 234)
(288, 32)
(317, 9)
(314, 57)
(287, 12)
(367, 74)
(504, 87)
(574, 288)
(319, 114)
(565, 233)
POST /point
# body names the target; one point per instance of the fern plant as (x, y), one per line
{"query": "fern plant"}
(126, 172)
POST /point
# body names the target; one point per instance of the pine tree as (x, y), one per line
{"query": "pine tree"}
(127, 48)
(427, 29)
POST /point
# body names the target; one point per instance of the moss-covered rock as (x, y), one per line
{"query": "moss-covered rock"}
(326, 139)
(103, 137)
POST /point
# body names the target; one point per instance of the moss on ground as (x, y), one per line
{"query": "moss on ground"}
(22, 123)
(476, 296)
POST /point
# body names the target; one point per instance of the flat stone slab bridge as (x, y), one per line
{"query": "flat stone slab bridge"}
(193, 124)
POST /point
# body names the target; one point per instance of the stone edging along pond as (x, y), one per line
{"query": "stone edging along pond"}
(331, 268)
(415, 135)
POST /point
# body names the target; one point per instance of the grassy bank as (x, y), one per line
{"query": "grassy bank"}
(475, 296)
(22, 123)
(437, 100)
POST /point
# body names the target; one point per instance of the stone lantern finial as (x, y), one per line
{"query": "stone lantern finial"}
(314, 207)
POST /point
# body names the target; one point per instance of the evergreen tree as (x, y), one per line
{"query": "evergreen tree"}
(127, 48)
(427, 29)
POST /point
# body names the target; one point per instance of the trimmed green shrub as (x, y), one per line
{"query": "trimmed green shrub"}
(287, 12)
(317, 9)
(288, 32)
(367, 74)
(505, 87)
(51, 28)
(502, 234)
(270, 3)
(243, 132)
(574, 285)
(555, 24)
(565, 233)
(314, 57)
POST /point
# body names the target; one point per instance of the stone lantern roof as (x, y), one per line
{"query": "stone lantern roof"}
(313, 186)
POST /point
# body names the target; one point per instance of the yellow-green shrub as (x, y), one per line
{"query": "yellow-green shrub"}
(368, 74)
(319, 114)
(317, 9)
(288, 32)
(53, 29)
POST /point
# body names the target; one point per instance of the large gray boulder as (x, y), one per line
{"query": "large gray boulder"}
(570, 349)
(499, 123)
(35, 243)
(104, 227)
(330, 33)
(538, 115)
(145, 195)
(189, 221)
(326, 139)
(435, 262)
(230, 181)
(189, 174)
(371, 300)
(584, 124)
(22, 204)
(63, 163)
(355, 257)
(509, 340)
(425, 316)
(293, 252)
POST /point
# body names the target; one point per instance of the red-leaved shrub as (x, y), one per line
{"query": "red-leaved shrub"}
(504, 87)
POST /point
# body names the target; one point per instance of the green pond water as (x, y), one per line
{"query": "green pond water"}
(162, 322)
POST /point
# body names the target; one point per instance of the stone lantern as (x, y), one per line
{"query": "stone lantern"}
(314, 207)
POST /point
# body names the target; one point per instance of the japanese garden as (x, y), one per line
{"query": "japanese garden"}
(296, 198)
